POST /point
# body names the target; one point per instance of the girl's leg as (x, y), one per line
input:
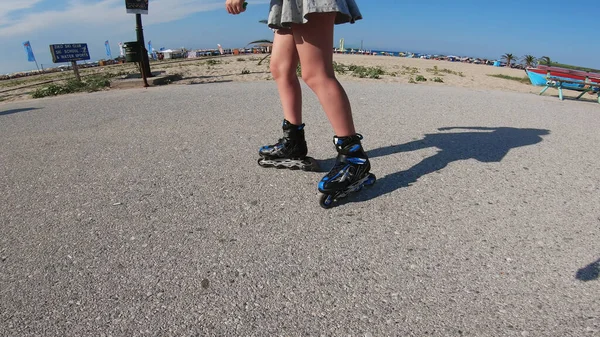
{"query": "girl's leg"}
(314, 43)
(290, 151)
(284, 60)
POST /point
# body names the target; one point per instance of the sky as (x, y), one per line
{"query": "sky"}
(562, 30)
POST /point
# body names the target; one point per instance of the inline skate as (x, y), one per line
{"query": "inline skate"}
(289, 152)
(350, 172)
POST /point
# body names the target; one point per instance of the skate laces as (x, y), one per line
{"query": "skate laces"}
(336, 170)
(280, 143)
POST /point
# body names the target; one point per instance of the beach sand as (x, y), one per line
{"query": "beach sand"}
(245, 68)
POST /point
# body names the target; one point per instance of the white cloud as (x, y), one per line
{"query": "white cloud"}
(8, 6)
(103, 13)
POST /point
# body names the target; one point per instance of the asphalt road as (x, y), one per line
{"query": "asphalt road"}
(143, 213)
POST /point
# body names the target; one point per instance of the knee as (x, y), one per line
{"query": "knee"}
(314, 79)
(281, 69)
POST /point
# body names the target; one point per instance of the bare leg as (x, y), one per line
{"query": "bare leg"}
(284, 60)
(314, 41)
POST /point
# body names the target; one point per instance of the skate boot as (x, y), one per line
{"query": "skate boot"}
(350, 172)
(289, 152)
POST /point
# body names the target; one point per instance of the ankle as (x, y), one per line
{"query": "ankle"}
(350, 145)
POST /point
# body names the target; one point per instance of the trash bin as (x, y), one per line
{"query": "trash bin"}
(132, 51)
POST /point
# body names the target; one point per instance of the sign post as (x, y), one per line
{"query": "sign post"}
(70, 53)
(139, 7)
(76, 70)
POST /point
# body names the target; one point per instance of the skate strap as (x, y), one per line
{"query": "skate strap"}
(354, 160)
(344, 141)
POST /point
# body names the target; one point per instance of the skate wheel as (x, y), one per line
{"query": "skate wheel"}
(372, 179)
(261, 164)
(326, 201)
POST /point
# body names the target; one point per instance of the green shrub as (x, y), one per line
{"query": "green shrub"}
(339, 68)
(410, 70)
(362, 72)
(89, 84)
(440, 72)
(523, 79)
(435, 70)
(96, 83)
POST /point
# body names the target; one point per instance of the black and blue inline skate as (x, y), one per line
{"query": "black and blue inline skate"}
(350, 172)
(289, 152)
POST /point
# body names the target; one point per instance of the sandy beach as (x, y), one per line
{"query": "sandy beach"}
(396, 69)
(246, 68)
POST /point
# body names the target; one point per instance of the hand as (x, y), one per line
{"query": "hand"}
(234, 6)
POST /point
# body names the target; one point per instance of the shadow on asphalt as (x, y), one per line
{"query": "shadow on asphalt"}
(485, 144)
(220, 76)
(207, 82)
(590, 272)
(585, 98)
(14, 111)
(139, 75)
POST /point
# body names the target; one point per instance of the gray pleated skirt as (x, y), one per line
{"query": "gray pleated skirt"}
(285, 12)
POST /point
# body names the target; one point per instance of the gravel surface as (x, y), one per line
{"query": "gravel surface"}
(143, 213)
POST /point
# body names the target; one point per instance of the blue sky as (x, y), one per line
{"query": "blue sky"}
(559, 29)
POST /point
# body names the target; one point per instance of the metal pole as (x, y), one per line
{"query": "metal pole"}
(76, 70)
(140, 37)
(144, 74)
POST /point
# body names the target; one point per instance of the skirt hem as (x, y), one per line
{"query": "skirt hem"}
(345, 14)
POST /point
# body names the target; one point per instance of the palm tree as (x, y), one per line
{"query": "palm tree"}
(259, 41)
(546, 60)
(262, 41)
(509, 58)
(529, 60)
